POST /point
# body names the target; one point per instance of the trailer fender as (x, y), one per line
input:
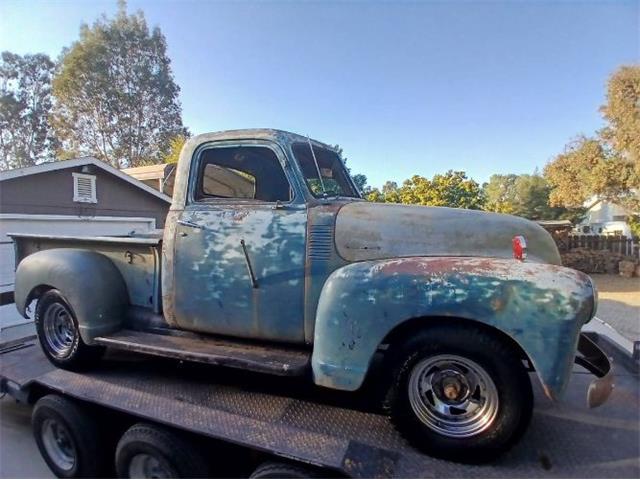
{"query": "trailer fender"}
(541, 307)
(89, 281)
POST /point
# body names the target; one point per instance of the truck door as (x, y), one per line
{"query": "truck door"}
(241, 220)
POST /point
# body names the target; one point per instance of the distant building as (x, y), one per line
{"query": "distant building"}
(83, 196)
(160, 177)
(606, 218)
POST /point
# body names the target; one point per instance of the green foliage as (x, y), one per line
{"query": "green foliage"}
(622, 112)
(116, 98)
(526, 196)
(606, 166)
(589, 169)
(175, 147)
(452, 189)
(634, 224)
(25, 103)
(500, 193)
(360, 180)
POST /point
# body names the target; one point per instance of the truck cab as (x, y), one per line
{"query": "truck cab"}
(239, 243)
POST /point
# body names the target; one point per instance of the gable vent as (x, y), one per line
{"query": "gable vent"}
(84, 188)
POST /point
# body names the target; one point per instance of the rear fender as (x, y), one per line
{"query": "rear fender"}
(89, 281)
(540, 306)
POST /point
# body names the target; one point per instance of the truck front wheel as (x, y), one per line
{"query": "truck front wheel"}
(59, 336)
(459, 393)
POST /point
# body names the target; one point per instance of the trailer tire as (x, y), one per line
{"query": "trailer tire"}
(146, 450)
(282, 470)
(69, 438)
(59, 335)
(459, 393)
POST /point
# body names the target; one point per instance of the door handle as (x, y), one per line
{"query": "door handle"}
(187, 223)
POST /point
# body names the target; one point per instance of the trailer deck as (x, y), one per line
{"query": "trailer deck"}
(291, 418)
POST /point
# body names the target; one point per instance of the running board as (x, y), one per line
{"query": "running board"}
(274, 359)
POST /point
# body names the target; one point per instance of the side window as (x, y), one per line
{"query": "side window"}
(242, 172)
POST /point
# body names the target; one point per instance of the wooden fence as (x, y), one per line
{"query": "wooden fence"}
(613, 243)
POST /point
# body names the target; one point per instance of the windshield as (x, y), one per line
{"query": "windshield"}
(335, 178)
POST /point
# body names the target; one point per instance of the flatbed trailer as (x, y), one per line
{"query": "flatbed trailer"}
(331, 433)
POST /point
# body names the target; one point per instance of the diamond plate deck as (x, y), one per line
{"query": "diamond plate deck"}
(292, 418)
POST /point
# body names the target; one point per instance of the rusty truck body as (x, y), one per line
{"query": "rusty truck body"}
(270, 260)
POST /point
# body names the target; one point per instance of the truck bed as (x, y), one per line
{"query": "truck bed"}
(291, 418)
(137, 257)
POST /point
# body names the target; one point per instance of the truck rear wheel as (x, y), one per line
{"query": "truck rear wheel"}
(59, 336)
(69, 438)
(150, 451)
(459, 393)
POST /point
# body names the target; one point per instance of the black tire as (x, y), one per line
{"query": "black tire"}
(479, 348)
(77, 355)
(161, 448)
(69, 438)
(282, 470)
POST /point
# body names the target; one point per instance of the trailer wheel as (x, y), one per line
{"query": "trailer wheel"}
(69, 438)
(150, 451)
(282, 470)
(59, 336)
(459, 393)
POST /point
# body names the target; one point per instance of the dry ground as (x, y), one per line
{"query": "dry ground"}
(619, 303)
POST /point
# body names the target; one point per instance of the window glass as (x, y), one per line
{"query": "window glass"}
(242, 172)
(333, 175)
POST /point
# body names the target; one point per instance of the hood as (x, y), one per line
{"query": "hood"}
(371, 231)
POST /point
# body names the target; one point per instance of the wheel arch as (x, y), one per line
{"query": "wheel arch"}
(89, 281)
(406, 328)
(34, 294)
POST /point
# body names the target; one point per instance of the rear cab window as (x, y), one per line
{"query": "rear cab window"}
(241, 172)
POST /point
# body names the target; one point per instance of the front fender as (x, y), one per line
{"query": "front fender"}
(89, 281)
(540, 306)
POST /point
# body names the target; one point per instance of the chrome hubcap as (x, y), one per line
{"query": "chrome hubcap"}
(453, 395)
(59, 330)
(144, 465)
(58, 445)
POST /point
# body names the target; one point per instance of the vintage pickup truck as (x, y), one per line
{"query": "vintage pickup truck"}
(271, 261)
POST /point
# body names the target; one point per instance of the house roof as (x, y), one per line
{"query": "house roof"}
(148, 172)
(79, 162)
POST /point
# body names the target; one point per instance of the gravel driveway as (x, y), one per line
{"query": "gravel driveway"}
(619, 303)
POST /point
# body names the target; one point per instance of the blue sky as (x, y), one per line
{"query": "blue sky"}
(404, 88)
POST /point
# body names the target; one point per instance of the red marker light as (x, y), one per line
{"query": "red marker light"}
(519, 248)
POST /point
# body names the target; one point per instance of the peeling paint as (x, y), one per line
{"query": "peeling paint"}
(341, 274)
(542, 307)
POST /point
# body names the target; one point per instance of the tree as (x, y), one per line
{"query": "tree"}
(526, 196)
(175, 147)
(589, 169)
(622, 112)
(452, 189)
(25, 103)
(359, 179)
(500, 193)
(116, 98)
(605, 166)
(389, 194)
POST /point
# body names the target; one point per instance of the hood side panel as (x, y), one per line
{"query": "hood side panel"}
(374, 231)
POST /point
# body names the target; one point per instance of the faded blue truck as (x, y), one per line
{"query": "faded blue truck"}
(270, 260)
